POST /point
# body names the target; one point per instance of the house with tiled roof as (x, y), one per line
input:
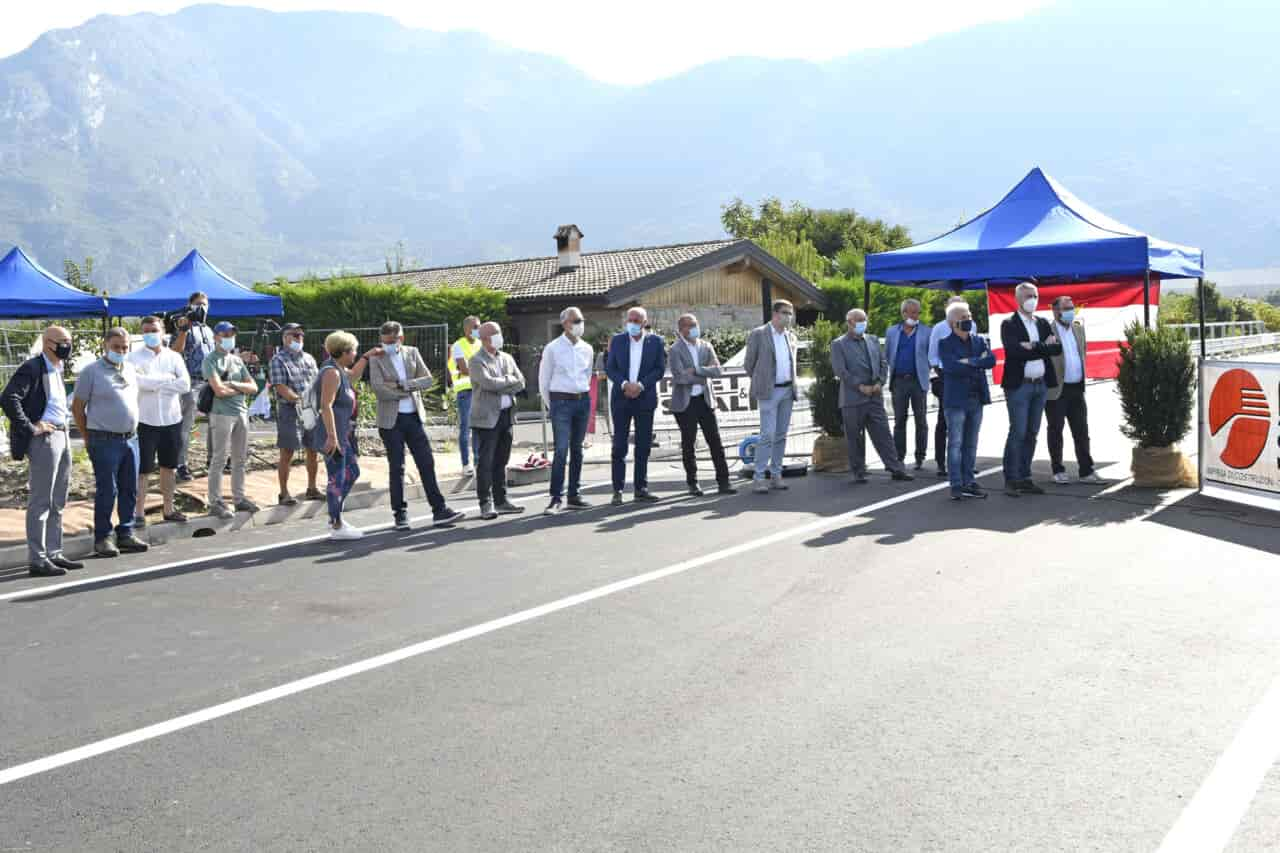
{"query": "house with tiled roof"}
(724, 282)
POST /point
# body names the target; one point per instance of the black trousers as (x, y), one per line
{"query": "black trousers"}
(1069, 408)
(493, 452)
(408, 432)
(906, 392)
(699, 414)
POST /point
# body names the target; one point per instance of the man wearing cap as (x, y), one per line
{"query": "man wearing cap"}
(105, 408)
(290, 371)
(232, 387)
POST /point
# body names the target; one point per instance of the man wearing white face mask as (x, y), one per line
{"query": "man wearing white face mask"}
(398, 377)
(858, 362)
(564, 384)
(232, 387)
(162, 380)
(1029, 346)
(291, 370)
(1065, 404)
(907, 346)
(693, 365)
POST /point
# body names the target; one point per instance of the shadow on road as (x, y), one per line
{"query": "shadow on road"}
(1226, 522)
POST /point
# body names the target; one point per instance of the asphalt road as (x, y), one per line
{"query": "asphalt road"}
(831, 668)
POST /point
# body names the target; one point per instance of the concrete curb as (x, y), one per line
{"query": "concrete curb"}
(80, 545)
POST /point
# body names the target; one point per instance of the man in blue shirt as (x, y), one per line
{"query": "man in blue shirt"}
(907, 345)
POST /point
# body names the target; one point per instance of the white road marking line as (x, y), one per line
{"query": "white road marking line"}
(1210, 819)
(71, 756)
(36, 591)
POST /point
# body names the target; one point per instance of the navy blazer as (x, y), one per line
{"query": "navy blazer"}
(653, 364)
(957, 377)
(23, 400)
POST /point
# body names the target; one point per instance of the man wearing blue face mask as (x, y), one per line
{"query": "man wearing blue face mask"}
(105, 408)
(290, 372)
(859, 364)
(232, 386)
(1065, 404)
(635, 366)
(162, 380)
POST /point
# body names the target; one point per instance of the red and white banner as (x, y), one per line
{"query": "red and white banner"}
(1105, 308)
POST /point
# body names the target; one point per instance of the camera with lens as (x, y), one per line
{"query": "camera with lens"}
(194, 313)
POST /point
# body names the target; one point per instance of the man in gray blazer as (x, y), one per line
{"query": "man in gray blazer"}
(859, 364)
(397, 377)
(770, 361)
(693, 363)
(495, 380)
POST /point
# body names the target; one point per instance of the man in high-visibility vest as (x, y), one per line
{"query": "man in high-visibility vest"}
(463, 349)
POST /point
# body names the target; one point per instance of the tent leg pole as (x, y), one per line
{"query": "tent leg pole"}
(1200, 302)
(866, 295)
(1146, 299)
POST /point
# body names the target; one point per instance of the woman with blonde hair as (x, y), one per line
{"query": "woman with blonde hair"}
(335, 433)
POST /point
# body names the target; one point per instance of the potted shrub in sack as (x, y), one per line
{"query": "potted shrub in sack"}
(830, 453)
(1157, 393)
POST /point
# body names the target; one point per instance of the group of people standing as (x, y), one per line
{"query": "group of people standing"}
(1044, 373)
(136, 410)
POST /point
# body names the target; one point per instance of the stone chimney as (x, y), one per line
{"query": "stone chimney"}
(569, 247)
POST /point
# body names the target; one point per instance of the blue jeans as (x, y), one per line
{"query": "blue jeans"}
(569, 428)
(963, 424)
(115, 484)
(1026, 407)
(343, 472)
(464, 426)
(775, 420)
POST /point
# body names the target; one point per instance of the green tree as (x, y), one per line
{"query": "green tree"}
(79, 276)
(1157, 386)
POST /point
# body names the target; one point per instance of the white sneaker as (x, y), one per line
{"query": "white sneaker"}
(761, 487)
(1093, 478)
(468, 470)
(1061, 478)
(345, 531)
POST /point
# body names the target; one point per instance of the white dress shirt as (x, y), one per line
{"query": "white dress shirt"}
(565, 368)
(1032, 369)
(162, 380)
(397, 362)
(637, 351)
(1072, 366)
(696, 389)
(55, 407)
(781, 357)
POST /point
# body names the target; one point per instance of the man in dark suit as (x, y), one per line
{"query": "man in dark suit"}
(1029, 347)
(35, 400)
(635, 366)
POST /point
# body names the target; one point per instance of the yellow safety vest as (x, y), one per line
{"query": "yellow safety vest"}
(469, 348)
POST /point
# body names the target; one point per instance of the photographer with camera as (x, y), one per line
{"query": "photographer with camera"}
(193, 340)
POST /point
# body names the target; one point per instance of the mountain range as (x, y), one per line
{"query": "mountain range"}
(281, 143)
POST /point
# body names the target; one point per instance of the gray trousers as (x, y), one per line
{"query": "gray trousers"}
(871, 417)
(228, 436)
(49, 477)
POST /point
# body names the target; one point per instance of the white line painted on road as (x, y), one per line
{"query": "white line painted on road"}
(37, 591)
(1210, 819)
(71, 756)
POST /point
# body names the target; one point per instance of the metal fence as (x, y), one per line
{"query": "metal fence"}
(432, 341)
(15, 348)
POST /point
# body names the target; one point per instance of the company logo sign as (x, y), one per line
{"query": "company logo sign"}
(1239, 406)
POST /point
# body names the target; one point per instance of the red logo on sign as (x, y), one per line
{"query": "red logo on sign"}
(1239, 402)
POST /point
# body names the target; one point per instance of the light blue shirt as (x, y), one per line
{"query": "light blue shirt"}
(939, 331)
(55, 410)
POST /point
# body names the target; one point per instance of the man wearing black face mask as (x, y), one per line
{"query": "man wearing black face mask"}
(194, 341)
(35, 399)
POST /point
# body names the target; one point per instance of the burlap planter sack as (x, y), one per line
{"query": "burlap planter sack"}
(1163, 468)
(830, 454)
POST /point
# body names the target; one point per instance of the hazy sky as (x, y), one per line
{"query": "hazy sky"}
(631, 42)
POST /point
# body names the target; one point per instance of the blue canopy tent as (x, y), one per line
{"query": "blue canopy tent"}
(28, 290)
(172, 290)
(1041, 231)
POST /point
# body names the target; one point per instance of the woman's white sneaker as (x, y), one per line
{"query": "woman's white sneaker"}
(345, 531)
